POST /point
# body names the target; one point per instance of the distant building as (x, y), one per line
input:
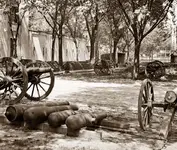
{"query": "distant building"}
(36, 44)
(120, 57)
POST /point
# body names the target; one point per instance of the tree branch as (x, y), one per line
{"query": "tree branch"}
(158, 21)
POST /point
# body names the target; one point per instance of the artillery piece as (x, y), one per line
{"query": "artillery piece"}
(146, 104)
(35, 81)
(155, 69)
(103, 67)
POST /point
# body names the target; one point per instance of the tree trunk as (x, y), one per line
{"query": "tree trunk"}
(128, 53)
(136, 59)
(60, 44)
(53, 45)
(96, 50)
(110, 45)
(15, 48)
(92, 49)
(77, 49)
(77, 53)
(115, 51)
(54, 32)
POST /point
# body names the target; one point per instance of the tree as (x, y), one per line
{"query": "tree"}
(92, 11)
(55, 13)
(159, 39)
(115, 21)
(76, 28)
(128, 39)
(142, 17)
(15, 12)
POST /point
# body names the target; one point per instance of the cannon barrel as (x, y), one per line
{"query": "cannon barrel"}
(99, 118)
(56, 119)
(75, 122)
(15, 112)
(36, 115)
(36, 70)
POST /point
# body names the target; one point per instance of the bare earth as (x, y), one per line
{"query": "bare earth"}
(118, 99)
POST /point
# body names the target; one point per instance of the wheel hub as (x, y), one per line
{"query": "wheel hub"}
(35, 80)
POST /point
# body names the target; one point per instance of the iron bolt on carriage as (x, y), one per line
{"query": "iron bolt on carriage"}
(34, 81)
(146, 104)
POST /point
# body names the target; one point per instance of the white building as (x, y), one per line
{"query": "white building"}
(37, 45)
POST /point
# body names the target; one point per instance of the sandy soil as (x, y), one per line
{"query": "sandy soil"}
(117, 98)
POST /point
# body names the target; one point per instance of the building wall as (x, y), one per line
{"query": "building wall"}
(37, 45)
(4, 36)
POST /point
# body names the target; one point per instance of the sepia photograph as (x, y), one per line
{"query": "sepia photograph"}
(88, 74)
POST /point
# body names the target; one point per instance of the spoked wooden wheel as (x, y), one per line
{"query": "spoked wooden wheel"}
(13, 80)
(145, 101)
(155, 69)
(40, 84)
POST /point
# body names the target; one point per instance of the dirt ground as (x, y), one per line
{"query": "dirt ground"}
(116, 97)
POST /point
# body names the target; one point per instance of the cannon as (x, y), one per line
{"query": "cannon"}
(34, 81)
(57, 119)
(103, 67)
(155, 69)
(75, 122)
(146, 104)
(36, 115)
(14, 113)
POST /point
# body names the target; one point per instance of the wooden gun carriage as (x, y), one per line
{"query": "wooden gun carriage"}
(34, 81)
(146, 104)
(156, 69)
(103, 67)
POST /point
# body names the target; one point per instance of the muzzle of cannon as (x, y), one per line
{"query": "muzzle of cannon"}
(57, 119)
(36, 115)
(171, 96)
(75, 122)
(15, 112)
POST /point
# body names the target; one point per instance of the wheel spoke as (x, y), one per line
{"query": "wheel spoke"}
(15, 84)
(149, 115)
(145, 117)
(44, 77)
(37, 90)
(32, 90)
(42, 87)
(29, 86)
(14, 91)
(144, 98)
(146, 92)
(11, 70)
(45, 83)
(16, 73)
